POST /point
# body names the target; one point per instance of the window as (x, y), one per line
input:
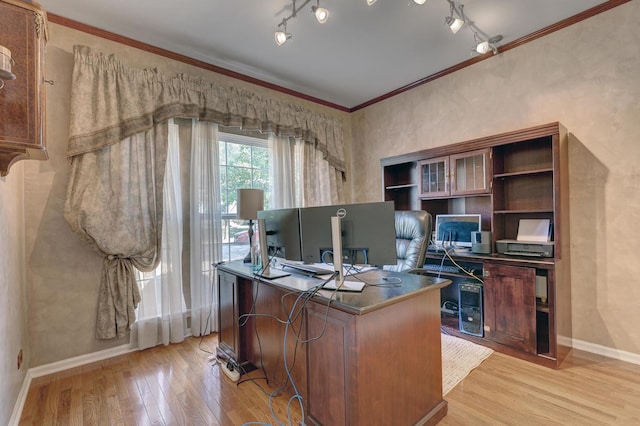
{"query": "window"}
(244, 163)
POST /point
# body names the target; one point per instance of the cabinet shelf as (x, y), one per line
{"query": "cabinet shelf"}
(403, 186)
(455, 197)
(523, 211)
(522, 173)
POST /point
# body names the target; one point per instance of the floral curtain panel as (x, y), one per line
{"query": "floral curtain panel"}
(114, 203)
(117, 148)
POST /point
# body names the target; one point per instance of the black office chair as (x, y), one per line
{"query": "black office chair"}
(413, 230)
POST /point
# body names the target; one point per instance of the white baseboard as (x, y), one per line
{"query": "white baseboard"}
(625, 356)
(79, 361)
(14, 420)
(58, 366)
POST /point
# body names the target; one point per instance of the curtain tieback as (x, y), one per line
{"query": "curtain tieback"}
(115, 257)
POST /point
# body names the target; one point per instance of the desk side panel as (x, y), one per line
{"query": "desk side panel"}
(384, 367)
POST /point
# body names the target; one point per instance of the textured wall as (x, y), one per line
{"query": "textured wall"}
(587, 77)
(13, 308)
(63, 274)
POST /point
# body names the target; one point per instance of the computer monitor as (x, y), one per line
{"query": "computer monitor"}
(454, 230)
(282, 230)
(367, 229)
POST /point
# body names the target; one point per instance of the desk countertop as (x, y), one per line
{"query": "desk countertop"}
(380, 291)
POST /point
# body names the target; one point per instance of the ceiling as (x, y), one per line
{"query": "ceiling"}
(361, 53)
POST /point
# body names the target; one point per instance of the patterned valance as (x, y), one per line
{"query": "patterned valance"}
(110, 102)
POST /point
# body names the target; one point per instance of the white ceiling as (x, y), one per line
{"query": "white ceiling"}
(361, 52)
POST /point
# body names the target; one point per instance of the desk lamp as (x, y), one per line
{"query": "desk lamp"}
(250, 201)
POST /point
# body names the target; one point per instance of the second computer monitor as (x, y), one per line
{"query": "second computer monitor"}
(454, 230)
(368, 233)
(282, 229)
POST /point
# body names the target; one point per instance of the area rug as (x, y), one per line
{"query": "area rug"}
(459, 358)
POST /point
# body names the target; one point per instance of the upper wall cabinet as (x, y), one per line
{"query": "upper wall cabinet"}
(505, 178)
(458, 174)
(23, 31)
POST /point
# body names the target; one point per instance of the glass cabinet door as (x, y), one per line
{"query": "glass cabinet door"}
(470, 172)
(434, 177)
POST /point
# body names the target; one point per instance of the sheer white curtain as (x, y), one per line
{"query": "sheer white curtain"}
(283, 169)
(206, 226)
(163, 311)
(162, 308)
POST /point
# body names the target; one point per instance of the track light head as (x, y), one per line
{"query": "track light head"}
(485, 46)
(482, 47)
(281, 37)
(321, 13)
(454, 23)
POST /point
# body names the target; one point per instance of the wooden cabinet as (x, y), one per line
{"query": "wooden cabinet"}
(524, 184)
(228, 335)
(455, 175)
(23, 30)
(505, 178)
(400, 184)
(510, 306)
(235, 300)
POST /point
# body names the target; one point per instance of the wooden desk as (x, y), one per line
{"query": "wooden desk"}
(378, 357)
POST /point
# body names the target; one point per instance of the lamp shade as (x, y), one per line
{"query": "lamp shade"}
(250, 201)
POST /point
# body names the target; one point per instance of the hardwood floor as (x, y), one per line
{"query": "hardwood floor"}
(177, 385)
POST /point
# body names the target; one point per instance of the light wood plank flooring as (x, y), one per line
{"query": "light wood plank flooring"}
(177, 385)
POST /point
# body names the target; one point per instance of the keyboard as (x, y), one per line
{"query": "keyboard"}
(432, 267)
(307, 269)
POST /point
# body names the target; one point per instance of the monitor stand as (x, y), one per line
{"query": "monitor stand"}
(345, 286)
(266, 271)
(270, 274)
(339, 283)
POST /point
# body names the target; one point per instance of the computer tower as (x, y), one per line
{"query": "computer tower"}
(470, 309)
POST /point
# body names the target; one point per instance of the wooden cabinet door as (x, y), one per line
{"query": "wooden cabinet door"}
(228, 315)
(510, 306)
(434, 177)
(22, 101)
(470, 172)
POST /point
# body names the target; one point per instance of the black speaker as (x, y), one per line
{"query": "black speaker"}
(470, 308)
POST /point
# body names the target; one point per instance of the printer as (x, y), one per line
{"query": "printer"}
(525, 248)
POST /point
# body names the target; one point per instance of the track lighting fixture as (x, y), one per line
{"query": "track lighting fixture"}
(455, 21)
(321, 14)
